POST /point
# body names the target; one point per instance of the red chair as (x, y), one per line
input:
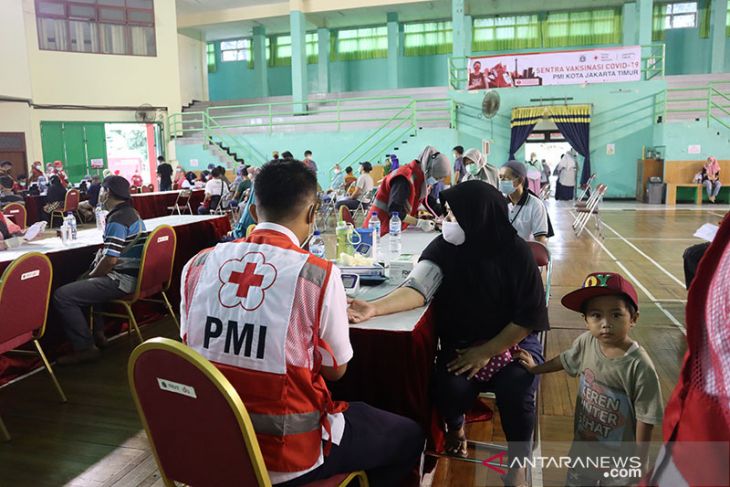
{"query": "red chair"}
(346, 215)
(133, 190)
(171, 384)
(25, 291)
(71, 204)
(155, 274)
(146, 189)
(17, 213)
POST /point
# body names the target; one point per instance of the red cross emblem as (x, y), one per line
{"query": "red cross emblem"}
(244, 281)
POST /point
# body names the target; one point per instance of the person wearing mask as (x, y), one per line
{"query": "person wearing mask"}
(55, 197)
(478, 168)
(21, 184)
(304, 435)
(244, 184)
(177, 182)
(309, 162)
(459, 170)
(534, 173)
(363, 187)
(190, 180)
(403, 190)
(338, 179)
(164, 173)
(36, 172)
(527, 213)
(544, 175)
(215, 189)
(6, 169)
(86, 208)
(113, 274)
(246, 219)
(711, 178)
(59, 171)
(240, 173)
(566, 170)
(137, 180)
(480, 263)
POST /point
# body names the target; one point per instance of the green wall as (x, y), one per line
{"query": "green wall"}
(72, 143)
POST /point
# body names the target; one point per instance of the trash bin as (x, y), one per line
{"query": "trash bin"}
(654, 193)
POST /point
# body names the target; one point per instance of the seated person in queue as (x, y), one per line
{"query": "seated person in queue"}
(362, 189)
(113, 273)
(487, 298)
(297, 302)
(86, 208)
(527, 212)
(55, 196)
(403, 190)
(7, 195)
(215, 189)
(478, 168)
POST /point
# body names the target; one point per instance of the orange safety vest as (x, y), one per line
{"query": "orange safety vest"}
(253, 308)
(697, 418)
(415, 177)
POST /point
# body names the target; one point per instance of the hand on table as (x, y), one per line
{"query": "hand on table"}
(359, 311)
(469, 361)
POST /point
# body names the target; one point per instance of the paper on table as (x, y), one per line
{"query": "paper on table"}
(34, 230)
(707, 232)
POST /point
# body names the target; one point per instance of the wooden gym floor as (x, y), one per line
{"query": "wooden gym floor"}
(96, 439)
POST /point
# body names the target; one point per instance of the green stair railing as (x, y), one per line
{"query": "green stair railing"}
(711, 99)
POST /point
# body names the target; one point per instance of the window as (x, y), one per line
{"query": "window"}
(363, 43)
(312, 47)
(425, 39)
(281, 49)
(97, 26)
(505, 33)
(210, 54)
(237, 50)
(727, 20)
(680, 15)
(583, 28)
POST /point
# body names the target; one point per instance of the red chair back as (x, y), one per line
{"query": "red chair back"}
(346, 215)
(158, 256)
(17, 213)
(150, 188)
(195, 420)
(146, 189)
(133, 189)
(25, 291)
(540, 253)
(72, 200)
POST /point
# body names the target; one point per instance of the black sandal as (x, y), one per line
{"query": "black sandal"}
(456, 445)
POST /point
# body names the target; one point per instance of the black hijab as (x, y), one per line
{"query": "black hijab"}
(491, 279)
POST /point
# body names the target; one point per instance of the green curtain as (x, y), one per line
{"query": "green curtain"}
(212, 66)
(727, 20)
(278, 51)
(357, 44)
(658, 16)
(506, 33)
(427, 39)
(584, 28)
(703, 17)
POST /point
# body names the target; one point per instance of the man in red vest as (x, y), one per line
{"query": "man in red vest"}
(403, 190)
(273, 318)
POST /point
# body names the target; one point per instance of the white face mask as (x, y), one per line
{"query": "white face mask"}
(453, 233)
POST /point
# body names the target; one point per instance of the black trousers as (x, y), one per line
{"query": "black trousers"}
(385, 445)
(514, 387)
(692, 256)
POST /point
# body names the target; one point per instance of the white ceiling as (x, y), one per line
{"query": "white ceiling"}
(438, 9)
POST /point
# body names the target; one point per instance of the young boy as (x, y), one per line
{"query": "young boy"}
(619, 400)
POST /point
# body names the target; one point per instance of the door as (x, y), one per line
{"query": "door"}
(12, 148)
(75, 144)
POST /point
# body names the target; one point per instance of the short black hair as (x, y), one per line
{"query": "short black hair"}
(366, 166)
(6, 163)
(307, 152)
(282, 187)
(160, 159)
(627, 301)
(287, 155)
(458, 149)
(348, 169)
(216, 172)
(6, 182)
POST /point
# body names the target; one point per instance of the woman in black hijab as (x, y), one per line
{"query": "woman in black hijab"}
(487, 297)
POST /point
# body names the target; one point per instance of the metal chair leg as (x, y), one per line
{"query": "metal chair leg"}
(133, 322)
(170, 309)
(4, 435)
(50, 370)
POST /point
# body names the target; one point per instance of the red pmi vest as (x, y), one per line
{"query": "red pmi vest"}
(697, 417)
(253, 308)
(414, 174)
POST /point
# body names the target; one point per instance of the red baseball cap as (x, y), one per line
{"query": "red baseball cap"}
(600, 284)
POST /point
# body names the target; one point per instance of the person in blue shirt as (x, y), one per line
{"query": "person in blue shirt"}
(113, 273)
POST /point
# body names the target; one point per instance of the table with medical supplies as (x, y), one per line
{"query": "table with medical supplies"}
(70, 260)
(152, 205)
(394, 354)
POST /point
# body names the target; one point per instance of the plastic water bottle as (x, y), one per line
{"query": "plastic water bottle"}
(316, 245)
(374, 225)
(394, 231)
(341, 234)
(64, 231)
(98, 216)
(73, 231)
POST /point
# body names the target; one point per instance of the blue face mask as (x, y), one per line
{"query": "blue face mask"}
(506, 186)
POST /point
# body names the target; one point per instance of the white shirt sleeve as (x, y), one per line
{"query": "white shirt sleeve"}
(539, 219)
(209, 187)
(334, 327)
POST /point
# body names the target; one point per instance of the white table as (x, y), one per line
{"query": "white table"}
(93, 237)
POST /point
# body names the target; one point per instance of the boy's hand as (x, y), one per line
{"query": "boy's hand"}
(525, 359)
